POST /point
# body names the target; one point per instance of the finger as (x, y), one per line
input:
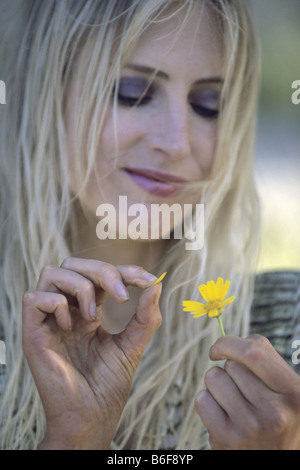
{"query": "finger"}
(226, 393)
(258, 355)
(136, 276)
(253, 389)
(38, 305)
(212, 415)
(112, 279)
(72, 284)
(143, 324)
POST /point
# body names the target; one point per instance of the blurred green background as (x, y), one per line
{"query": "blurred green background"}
(278, 133)
(278, 138)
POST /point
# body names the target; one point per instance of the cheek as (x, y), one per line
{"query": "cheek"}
(105, 182)
(119, 134)
(204, 148)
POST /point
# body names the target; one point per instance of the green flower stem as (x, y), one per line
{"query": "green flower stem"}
(221, 326)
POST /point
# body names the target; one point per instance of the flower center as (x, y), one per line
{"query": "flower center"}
(214, 308)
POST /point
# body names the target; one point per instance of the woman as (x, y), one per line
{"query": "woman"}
(155, 101)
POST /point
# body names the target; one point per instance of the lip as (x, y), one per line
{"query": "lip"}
(155, 182)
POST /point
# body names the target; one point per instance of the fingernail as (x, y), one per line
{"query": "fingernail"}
(93, 310)
(121, 290)
(157, 294)
(149, 277)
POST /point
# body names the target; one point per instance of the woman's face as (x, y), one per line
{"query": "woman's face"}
(167, 140)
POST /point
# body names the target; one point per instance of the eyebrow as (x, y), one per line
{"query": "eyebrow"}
(159, 73)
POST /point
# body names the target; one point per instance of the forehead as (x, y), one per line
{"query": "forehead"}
(189, 42)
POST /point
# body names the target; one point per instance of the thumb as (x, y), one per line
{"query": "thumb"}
(143, 324)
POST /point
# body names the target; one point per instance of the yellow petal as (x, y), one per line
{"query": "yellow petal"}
(219, 288)
(211, 287)
(227, 301)
(204, 292)
(159, 279)
(225, 290)
(199, 314)
(191, 305)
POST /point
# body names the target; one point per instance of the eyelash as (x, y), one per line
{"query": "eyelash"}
(130, 102)
(207, 113)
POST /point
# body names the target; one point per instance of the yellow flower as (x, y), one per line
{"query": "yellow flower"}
(214, 294)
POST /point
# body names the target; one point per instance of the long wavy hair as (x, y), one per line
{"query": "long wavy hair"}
(38, 211)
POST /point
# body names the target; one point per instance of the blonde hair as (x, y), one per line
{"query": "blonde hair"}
(37, 209)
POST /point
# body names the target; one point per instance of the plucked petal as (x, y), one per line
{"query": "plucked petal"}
(159, 279)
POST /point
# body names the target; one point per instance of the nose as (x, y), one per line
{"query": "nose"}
(170, 133)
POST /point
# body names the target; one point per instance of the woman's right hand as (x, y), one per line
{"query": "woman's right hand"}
(84, 374)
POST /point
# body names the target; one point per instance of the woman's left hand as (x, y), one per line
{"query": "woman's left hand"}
(254, 402)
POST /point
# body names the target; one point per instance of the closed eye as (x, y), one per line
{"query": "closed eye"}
(205, 112)
(205, 101)
(131, 101)
(134, 91)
